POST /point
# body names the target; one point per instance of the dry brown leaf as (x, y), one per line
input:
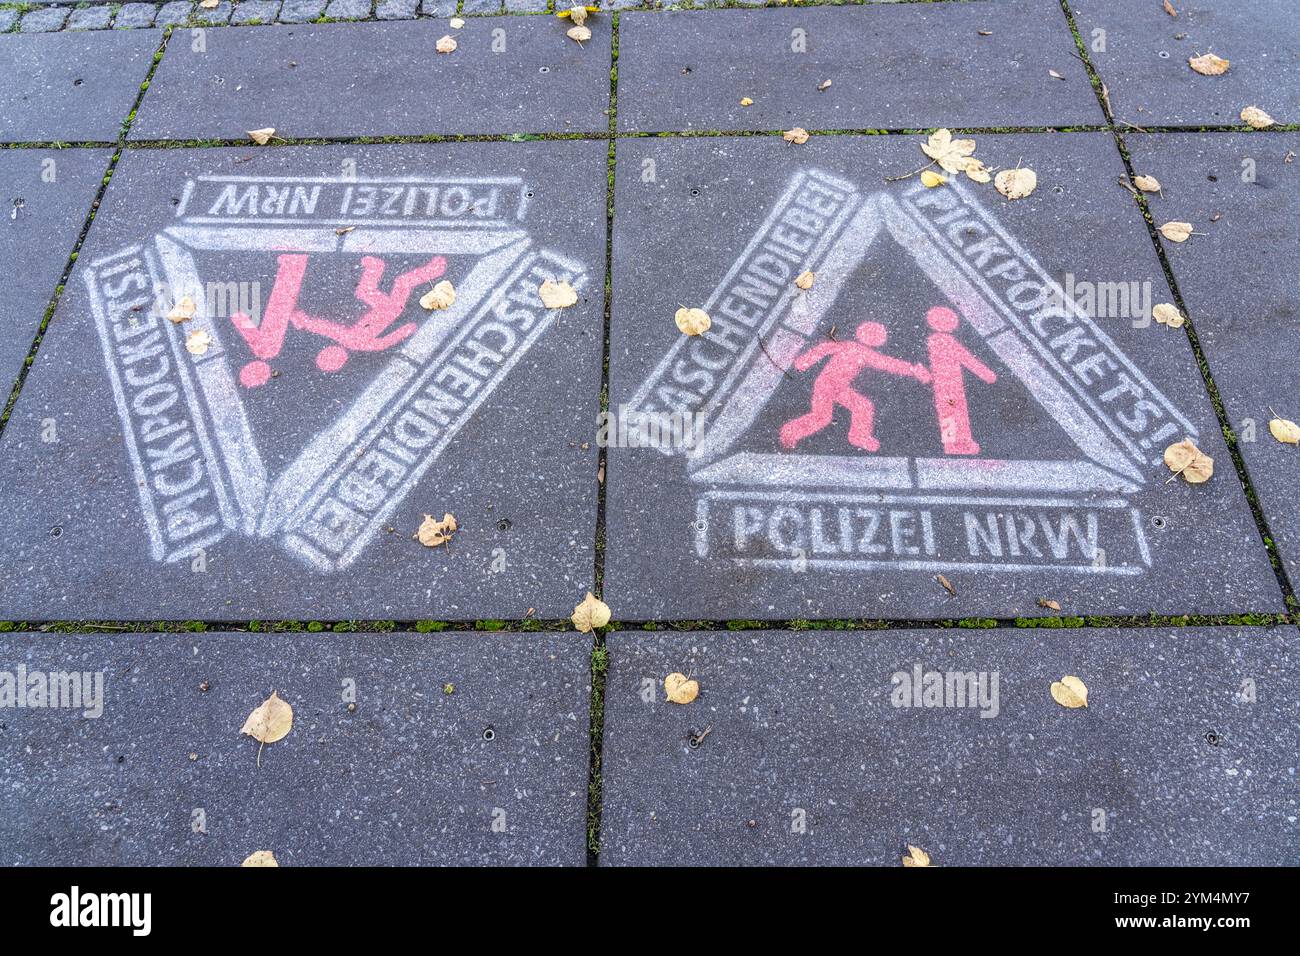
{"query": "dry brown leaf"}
(1049, 604)
(947, 585)
(579, 33)
(930, 179)
(1256, 118)
(746, 101)
(590, 614)
(578, 15)
(798, 136)
(261, 136)
(824, 85)
(441, 296)
(977, 171)
(1184, 458)
(1016, 183)
(197, 342)
(692, 321)
(1148, 184)
(1054, 75)
(1207, 64)
(343, 230)
(455, 23)
(1285, 431)
(1070, 692)
(805, 280)
(557, 295)
(271, 720)
(446, 44)
(951, 154)
(1166, 313)
(183, 310)
(209, 4)
(985, 33)
(1176, 231)
(260, 858)
(433, 532)
(1169, 9)
(916, 857)
(681, 689)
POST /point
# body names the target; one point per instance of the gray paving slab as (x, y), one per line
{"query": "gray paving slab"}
(301, 11)
(283, 473)
(163, 776)
(43, 19)
(134, 16)
(336, 80)
(481, 6)
(752, 506)
(1141, 54)
(891, 66)
(348, 9)
(214, 16)
(526, 6)
(1239, 283)
(90, 18)
(70, 88)
(259, 11)
(8, 18)
(46, 199)
(438, 8)
(821, 748)
(397, 9)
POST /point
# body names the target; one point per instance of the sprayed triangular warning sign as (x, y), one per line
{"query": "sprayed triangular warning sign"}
(1001, 318)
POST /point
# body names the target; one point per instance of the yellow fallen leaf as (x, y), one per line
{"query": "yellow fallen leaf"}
(1070, 692)
(681, 689)
(692, 321)
(916, 857)
(1016, 183)
(930, 179)
(433, 532)
(1285, 431)
(557, 295)
(1256, 118)
(1176, 231)
(197, 342)
(1148, 184)
(1166, 313)
(271, 720)
(1184, 458)
(441, 296)
(260, 858)
(590, 614)
(578, 33)
(746, 101)
(951, 154)
(578, 13)
(977, 171)
(446, 44)
(805, 280)
(183, 310)
(1208, 64)
(798, 136)
(261, 136)
(209, 4)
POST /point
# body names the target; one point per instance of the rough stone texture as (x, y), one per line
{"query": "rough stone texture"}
(396, 9)
(348, 9)
(1144, 59)
(39, 224)
(526, 6)
(43, 19)
(170, 14)
(406, 778)
(137, 15)
(7, 19)
(438, 8)
(71, 88)
(301, 11)
(808, 760)
(515, 464)
(263, 11)
(1239, 284)
(745, 528)
(895, 66)
(90, 18)
(217, 16)
(342, 83)
(481, 6)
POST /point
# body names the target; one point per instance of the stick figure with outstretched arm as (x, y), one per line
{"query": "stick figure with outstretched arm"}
(949, 362)
(834, 386)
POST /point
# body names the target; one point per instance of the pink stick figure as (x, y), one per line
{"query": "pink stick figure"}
(949, 361)
(834, 386)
